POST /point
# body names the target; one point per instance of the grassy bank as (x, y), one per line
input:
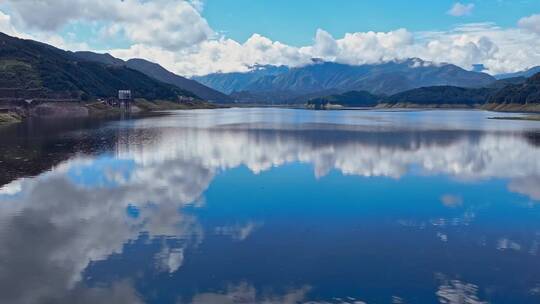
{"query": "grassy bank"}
(164, 105)
(9, 118)
(408, 105)
(518, 108)
(143, 105)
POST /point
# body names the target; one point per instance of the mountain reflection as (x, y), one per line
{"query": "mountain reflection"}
(147, 184)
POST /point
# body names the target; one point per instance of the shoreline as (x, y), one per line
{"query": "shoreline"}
(60, 110)
(530, 117)
(499, 108)
(69, 110)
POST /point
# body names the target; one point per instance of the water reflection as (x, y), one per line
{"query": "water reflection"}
(201, 208)
(465, 155)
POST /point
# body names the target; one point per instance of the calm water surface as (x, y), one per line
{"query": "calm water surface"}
(272, 206)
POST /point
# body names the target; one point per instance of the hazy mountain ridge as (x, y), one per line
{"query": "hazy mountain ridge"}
(229, 83)
(525, 73)
(387, 78)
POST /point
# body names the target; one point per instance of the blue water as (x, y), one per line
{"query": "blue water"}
(275, 206)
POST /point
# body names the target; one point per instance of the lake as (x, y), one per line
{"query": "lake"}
(272, 206)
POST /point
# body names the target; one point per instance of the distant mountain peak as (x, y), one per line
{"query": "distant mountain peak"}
(283, 83)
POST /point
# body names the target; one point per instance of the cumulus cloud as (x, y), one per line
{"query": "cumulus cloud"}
(459, 9)
(499, 50)
(227, 55)
(168, 24)
(361, 48)
(325, 45)
(7, 26)
(531, 23)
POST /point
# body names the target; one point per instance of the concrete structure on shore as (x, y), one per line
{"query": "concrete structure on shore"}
(124, 99)
(124, 95)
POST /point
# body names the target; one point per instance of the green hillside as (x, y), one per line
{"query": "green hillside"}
(34, 69)
(348, 99)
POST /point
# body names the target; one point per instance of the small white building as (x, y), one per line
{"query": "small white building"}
(124, 95)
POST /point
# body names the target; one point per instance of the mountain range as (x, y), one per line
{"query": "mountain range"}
(284, 84)
(30, 69)
(240, 81)
(512, 94)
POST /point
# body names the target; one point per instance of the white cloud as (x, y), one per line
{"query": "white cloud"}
(6, 25)
(500, 50)
(325, 45)
(361, 47)
(222, 55)
(531, 23)
(227, 55)
(174, 34)
(168, 24)
(459, 9)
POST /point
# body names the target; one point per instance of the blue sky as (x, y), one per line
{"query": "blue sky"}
(295, 22)
(197, 37)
